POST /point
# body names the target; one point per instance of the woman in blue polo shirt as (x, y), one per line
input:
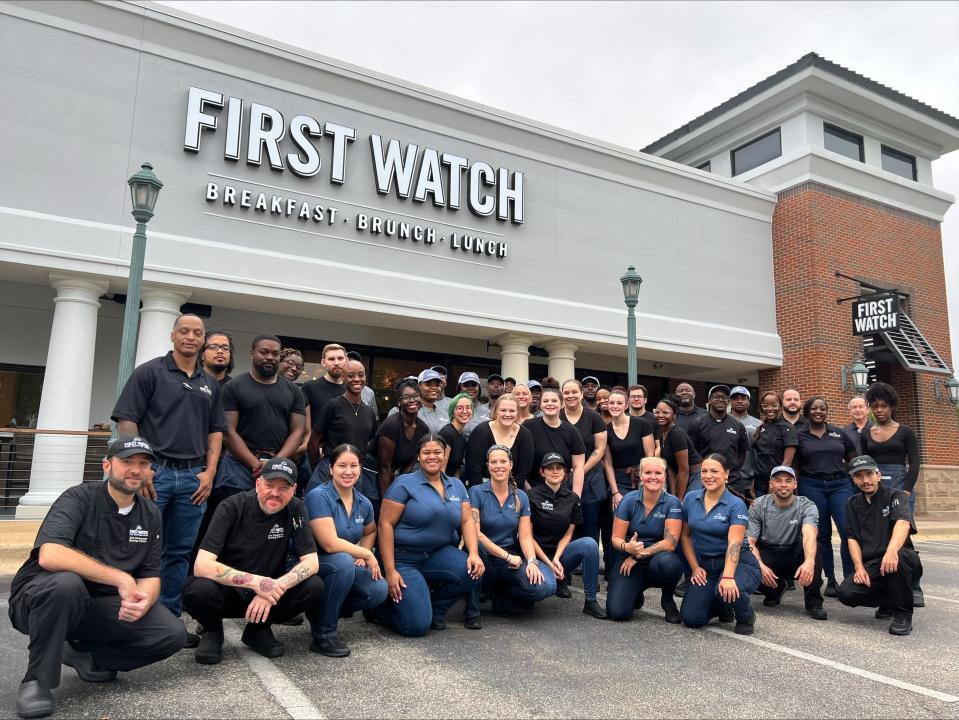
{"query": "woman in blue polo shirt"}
(724, 570)
(646, 531)
(345, 532)
(820, 462)
(422, 513)
(515, 579)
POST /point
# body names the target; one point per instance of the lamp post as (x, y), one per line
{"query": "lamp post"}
(948, 391)
(858, 374)
(631, 282)
(144, 189)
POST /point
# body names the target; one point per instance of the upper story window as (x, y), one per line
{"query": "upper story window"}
(757, 152)
(899, 163)
(707, 166)
(843, 142)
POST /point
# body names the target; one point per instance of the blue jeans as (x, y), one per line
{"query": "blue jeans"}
(234, 475)
(594, 485)
(830, 498)
(349, 588)
(582, 551)
(434, 582)
(894, 477)
(510, 589)
(702, 602)
(662, 570)
(181, 521)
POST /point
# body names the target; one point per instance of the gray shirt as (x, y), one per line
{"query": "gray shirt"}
(771, 525)
(435, 419)
(368, 397)
(750, 423)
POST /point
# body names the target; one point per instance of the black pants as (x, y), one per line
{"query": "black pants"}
(209, 602)
(784, 561)
(56, 606)
(892, 591)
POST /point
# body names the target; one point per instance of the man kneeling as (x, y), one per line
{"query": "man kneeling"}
(878, 525)
(783, 529)
(87, 594)
(239, 568)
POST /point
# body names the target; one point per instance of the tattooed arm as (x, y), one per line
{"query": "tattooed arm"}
(727, 586)
(207, 567)
(671, 532)
(309, 565)
(491, 548)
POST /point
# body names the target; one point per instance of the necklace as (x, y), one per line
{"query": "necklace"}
(354, 408)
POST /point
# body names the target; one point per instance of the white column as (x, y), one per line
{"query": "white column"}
(161, 308)
(514, 353)
(562, 360)
(65, 400)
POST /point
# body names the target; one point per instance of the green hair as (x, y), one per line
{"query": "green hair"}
(456, 399)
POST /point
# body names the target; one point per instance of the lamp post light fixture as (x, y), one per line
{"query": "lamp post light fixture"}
(631, 282)
(144, 190)
(947, 391)
(858, 374)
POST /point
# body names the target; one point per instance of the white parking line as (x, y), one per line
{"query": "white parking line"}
(942, 599)
(283, 690)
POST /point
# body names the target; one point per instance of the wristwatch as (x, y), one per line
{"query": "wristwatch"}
(533, 561)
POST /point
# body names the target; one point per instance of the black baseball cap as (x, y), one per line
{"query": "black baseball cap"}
(279, 467)
(552, 458)
(128, 446)
(862, 462)
(495, 376)
(509, 379)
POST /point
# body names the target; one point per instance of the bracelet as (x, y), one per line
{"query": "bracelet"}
(532, 561)
(617, 493)
(727, 577)
(506, 558)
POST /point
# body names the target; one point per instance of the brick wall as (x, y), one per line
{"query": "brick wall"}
(818, 231)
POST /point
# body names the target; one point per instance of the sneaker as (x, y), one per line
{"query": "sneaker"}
(594, 609)
(817, 613)
(85, 665)
(472, 623)
(901, 624)
(672, 612)
(192, 639)
(790, 584)
(294, 621)
(918, 599)
(437, 624)
(562, 589)
(883, 613)
(330, 646)
(726, 615)
(259, 637)
(680, 590)
(209, 651)
(746, 627)
(34, 701)
(772, 600)
(832, 590)
(640, 601)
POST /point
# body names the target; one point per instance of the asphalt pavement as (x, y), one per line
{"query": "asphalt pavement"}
(557, 662)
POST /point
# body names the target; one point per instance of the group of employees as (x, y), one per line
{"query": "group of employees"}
(254, 497)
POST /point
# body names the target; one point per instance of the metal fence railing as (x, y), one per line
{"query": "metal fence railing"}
(55, 459)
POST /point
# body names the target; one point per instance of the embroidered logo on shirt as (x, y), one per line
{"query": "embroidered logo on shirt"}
(885, 512)
(297, 522)
(453, 498)
(358, 519)
(731, 431)
(659, 515)
(835, 434)
(187, 385)
(206, 389)
(139, 535)
(547, 505)
(719, 517)
(276, 533)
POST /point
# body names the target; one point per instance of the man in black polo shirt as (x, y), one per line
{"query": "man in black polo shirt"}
(320, 391)
(239, 570)
(719, 432)
(87, 594)
(688, 412)
(878, 526)
(174, 403)
(346, 419)
(264, 417)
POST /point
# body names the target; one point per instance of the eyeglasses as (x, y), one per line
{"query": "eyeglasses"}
(409, 398)
(215, 348)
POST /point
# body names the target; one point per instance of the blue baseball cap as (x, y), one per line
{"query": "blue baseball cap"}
(468, 377)
(739, 390)
(782, 469)
(429, 374)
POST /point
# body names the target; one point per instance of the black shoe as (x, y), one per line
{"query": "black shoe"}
(259, 637)
(746, 627)
(901, 624)
(437, 624)
(680, 590)
(330, 646)
(209, 651)
(85, 665)
(472, 623)
(831, 589)
(192, 639)
(817, 613)
(562, 589)
(918, 600)
(294, 621)
(640, 601)
(883, 613)
(594, 609)
(672, 612)
(372, 617)
(790, 584)
(34, 701)
(772, 601)
(726, 615)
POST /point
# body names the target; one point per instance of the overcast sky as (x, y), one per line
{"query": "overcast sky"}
(628, 73)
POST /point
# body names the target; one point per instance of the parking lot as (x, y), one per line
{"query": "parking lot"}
(559, 663)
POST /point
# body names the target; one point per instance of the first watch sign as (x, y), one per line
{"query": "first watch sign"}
(874, 314)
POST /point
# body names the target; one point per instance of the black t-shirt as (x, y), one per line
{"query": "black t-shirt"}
(589, 424)
(481, 440)
(769, 449)
(457, 444)
(628, 451)
(825, 457)
(855, 434)
(174, 411)
(870, 522)
(552, 514)
(245, 538)
(318, 393)
(85, 518)
(264, 410)
(685, 419)
(727, 437)
(564, 440)
(342, 422)
(901, 449)
(406, 450)
(676, 441)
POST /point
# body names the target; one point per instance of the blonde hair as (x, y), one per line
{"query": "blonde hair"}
(654, 460)
(496, 403)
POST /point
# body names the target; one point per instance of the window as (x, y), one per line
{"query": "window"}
(843, 142)
(757, 152)
(707, 166)
(20, 388)
(899, 163)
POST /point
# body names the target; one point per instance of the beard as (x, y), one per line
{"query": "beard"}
(120, 485)
(266, 370)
